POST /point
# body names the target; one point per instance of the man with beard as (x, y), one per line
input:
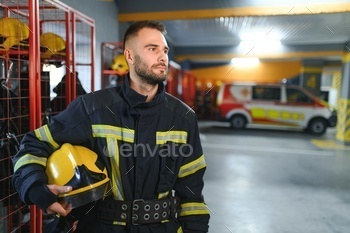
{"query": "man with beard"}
(147, 139)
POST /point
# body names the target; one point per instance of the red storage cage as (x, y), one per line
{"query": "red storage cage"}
(173, 83)
(189, 88)
(40, 43)
(67, 45)
(114, 66)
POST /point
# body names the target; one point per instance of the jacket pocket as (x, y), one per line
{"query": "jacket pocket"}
(168, 168)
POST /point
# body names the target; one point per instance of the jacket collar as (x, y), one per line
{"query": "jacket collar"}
(135, 99)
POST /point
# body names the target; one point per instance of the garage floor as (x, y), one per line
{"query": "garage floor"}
(275, 181)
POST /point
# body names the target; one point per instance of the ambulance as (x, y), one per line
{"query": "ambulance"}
(274, 105)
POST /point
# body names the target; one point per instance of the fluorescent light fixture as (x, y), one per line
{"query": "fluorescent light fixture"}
(245, 61)
(261, 43)
(260, 46)
(261, 34)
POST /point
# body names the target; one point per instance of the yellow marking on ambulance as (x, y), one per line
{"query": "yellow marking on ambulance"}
(275, 114)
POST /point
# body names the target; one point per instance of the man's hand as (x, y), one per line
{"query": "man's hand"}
(60, 208)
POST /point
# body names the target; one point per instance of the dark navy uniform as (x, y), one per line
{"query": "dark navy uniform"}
(151, 149)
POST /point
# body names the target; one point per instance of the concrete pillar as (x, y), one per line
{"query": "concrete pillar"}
(310, 76)
(343, 105)
(336, 83)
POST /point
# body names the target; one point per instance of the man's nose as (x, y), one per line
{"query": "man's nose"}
(163, 58)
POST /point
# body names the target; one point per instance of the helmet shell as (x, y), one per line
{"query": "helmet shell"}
(52, 44)
(12, 31)
(79, 167)
(119, 64)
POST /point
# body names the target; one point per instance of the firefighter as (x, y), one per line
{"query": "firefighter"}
(147, 139)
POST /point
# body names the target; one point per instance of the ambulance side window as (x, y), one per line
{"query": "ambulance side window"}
(266, 93)
(295, 95)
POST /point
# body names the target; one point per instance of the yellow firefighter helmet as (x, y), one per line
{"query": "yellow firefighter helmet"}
(80, 168)
(52, 44)
(12, 32)
(119, 64)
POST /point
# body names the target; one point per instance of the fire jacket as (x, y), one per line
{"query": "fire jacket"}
(151, 149)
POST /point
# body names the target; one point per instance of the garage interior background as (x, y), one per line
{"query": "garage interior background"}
(296, 42)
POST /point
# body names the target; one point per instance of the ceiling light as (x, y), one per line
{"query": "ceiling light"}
(245, 62)
(261, 43)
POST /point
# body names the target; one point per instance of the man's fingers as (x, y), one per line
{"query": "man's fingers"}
(56, 189)
(60, 209)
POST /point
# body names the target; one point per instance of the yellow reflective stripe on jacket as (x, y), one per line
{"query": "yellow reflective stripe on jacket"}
(30, 159)
(164, 194)
(193, 208)
(119, 223)
(179, 230)
(171, 136)
(43, 134)
(113, 154)
(192, 167)
(119, 133)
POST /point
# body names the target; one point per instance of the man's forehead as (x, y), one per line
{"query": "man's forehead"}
(149, 31)
(148, 36)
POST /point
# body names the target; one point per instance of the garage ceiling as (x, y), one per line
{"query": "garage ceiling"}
(210, 32)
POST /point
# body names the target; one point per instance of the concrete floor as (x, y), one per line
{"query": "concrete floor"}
(274, 181)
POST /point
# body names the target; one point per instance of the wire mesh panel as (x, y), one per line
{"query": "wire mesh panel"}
(114, 66)
(14, 109)
(67, 53)
(84, 55)
(53, 54)
(46, 48)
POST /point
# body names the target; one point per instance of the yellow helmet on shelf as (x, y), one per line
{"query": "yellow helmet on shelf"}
(12, 31)
(52, 44)
(119, 64)
(79, 167)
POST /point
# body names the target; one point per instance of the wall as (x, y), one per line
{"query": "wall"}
(105, 14)
(271, 72)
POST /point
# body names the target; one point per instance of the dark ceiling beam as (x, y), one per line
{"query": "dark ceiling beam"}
(281, 55)
(290, 9)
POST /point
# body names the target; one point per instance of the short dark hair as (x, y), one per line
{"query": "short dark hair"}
(134, 28)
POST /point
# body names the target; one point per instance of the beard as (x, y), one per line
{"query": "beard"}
(147, 75)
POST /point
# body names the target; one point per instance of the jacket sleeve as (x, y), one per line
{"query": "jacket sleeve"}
(29, 179)
(194, 214)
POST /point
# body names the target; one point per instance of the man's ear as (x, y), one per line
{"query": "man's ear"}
(128, 56)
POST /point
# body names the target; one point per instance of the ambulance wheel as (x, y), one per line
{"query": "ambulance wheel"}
(238, 122)
(317, 126)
